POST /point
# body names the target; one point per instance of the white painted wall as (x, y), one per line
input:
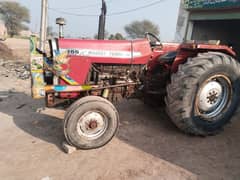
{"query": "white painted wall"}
(3, 29)
(182, 23)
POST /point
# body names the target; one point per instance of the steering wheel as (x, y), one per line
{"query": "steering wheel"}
(153, 39)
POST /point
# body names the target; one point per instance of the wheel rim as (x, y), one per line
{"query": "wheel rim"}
(213, 96)
(92, 124)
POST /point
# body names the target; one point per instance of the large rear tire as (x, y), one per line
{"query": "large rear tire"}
(204, 94)
(90, 122)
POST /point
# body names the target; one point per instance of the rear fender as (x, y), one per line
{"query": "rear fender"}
(191, 50)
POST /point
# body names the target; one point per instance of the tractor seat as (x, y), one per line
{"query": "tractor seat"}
(168, 57)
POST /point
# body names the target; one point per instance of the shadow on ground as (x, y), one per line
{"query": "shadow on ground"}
(27, 116)
(151, 130)
(148, 129)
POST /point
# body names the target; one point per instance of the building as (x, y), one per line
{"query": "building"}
(210, 20)
(3, 30)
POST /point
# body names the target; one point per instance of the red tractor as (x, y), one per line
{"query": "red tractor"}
(198, 81)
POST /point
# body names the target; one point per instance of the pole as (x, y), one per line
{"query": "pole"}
(102, 20)
(43, 30)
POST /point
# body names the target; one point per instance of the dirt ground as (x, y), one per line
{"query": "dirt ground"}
(19, 47)
(146, 147)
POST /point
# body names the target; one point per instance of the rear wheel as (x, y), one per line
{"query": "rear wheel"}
(90, 122)
(204, 93)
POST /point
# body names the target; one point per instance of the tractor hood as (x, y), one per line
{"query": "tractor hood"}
(105, 51)
(75, 57)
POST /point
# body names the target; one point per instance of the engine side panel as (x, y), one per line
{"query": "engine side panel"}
(83, 53)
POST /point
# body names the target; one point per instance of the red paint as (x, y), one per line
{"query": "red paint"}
(80, 65)
(159, 51)
(187, 50)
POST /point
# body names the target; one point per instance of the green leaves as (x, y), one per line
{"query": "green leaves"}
(137, 29)
(15, 16)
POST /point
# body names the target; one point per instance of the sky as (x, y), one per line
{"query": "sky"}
(164, 14)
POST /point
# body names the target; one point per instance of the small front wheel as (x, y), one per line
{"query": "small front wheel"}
(92, 123)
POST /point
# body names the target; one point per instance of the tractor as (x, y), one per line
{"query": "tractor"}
(197, 81)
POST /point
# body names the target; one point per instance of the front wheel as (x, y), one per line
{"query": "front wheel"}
(204, 93)
(90, 122)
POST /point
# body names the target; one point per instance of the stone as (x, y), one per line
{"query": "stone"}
(68, 148)
(4, 95)
(46, 178)
(21, 71)
(27, 67)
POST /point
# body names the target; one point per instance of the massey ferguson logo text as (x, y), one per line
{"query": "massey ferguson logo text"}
(102, 53)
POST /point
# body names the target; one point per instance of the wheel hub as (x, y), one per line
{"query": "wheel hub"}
(210, 95)
(213, 96)
(92, 124)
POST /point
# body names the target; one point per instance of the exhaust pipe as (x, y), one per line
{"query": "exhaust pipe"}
(102, 20)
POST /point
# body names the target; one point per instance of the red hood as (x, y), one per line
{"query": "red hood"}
(83, 53)
(107, 51)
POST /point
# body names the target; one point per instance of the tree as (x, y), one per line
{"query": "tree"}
(15, 16)
(137, 29)
(117, 36)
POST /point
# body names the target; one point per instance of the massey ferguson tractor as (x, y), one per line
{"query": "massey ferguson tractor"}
(199, 83)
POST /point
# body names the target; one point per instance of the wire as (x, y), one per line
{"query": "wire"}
(72, 14)
(83, 7)
(136, 9)
(111, 14)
